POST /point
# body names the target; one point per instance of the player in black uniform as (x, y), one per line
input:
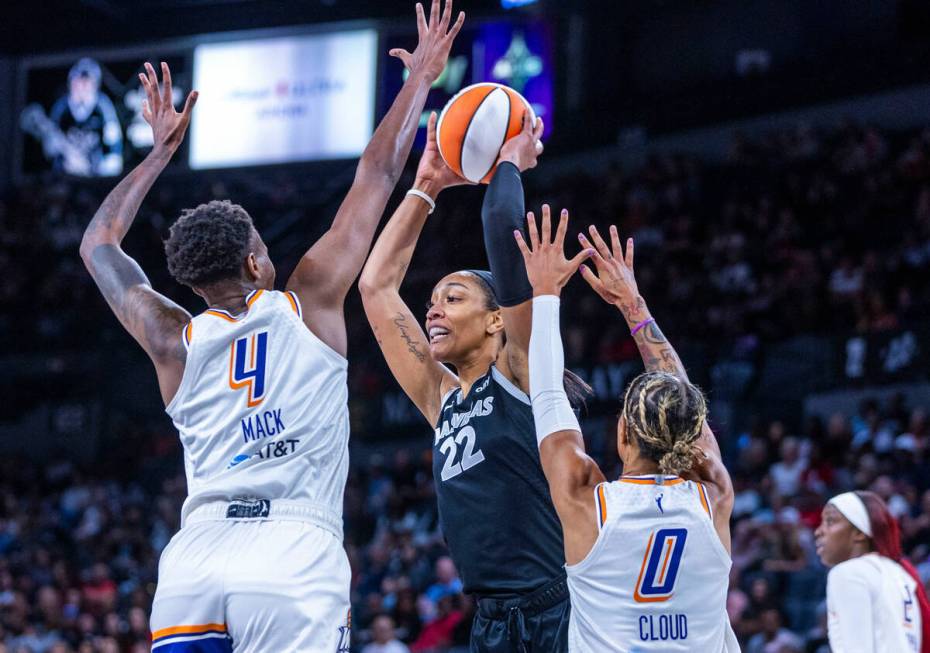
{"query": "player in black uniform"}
(494, 504)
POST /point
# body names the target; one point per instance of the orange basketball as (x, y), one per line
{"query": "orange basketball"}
(475, 124)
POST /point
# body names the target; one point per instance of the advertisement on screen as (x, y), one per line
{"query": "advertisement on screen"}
(83, 117)
(299, 98)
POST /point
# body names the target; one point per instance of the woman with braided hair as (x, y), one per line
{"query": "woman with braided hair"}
(648, 554)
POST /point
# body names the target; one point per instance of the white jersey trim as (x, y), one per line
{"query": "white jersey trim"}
(508, 385)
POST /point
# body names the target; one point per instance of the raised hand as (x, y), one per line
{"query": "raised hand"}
(435, 40)
(524, 149)
(167, 124)
(433, 175)
(546, 266)
(614, 281)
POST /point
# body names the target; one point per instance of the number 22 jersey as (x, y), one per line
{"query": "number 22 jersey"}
(656, 578)
(495, 509)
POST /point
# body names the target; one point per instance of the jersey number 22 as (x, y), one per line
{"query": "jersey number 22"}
(470, 457)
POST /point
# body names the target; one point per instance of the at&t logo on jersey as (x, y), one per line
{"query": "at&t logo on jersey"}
(247, 357)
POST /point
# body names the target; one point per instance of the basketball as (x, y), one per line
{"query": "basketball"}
(475, 124)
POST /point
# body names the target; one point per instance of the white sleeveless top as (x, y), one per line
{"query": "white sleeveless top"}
(262, 409)
(657, 576)
(872, 607)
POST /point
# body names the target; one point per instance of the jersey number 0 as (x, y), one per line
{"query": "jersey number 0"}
(659, 571)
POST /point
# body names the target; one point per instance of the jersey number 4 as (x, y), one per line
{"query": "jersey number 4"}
(659, 571)
(470, 457)
(247, 366)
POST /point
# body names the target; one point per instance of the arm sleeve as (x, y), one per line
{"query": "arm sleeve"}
(551, 410)
(849, 607)
(504, 211)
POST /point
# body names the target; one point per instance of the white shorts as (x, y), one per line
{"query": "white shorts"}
(252, 585)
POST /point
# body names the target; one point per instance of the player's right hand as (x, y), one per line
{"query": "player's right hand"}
(435, 40)
(433, 175)
(167, 124)
(525, 148)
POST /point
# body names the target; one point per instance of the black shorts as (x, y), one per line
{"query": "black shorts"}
(535, 623)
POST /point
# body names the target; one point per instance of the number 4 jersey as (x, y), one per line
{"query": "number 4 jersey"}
(656, 578)
(495, 509)
(262, 409)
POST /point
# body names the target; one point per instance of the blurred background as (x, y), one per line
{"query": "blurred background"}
(770, 157)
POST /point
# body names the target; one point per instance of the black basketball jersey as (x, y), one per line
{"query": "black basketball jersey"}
(494, 503)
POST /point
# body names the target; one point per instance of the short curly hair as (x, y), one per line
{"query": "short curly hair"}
(208, 243)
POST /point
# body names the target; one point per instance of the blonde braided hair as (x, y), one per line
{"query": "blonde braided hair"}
(665, 414)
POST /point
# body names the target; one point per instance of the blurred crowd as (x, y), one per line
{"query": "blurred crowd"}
(802, 231)
(79, 551)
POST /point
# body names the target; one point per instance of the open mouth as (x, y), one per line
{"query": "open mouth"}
(436, 334)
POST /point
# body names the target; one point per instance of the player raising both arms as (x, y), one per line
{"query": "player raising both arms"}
(256, 386)
(494, 506)
(876, 602)
(648, 554)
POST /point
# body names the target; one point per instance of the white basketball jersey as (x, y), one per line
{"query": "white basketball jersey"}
(657, 576)
(872, 607)
(262, 409)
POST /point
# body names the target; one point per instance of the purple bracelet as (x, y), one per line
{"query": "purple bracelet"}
(639, 326)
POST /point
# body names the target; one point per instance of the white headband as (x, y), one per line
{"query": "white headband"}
(853, 509)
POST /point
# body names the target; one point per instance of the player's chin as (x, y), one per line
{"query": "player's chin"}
(440, 349)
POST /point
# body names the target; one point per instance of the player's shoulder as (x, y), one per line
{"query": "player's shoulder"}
(865, 569)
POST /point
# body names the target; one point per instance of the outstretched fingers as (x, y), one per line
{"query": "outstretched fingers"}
(446, 18)
(154, 98)
(579, 258)
(189, 105)
(546, 236)
(602, 248)
(521, 244)
(561, 230)
(434, 15)
(592, 279)
(166, 98)
(421, 22)
(456, 26)
(531, 230)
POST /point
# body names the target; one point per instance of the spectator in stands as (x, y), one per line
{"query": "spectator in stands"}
(382, 637)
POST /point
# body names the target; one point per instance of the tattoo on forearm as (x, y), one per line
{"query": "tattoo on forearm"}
(653, 334)
(658, 355)
(634, 307)
(400, 321)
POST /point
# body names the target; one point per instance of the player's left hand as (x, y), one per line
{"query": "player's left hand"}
(546, 266)
(167, 124)
(614, 281)
(433, 175)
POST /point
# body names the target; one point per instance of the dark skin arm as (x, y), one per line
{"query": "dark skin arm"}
(151, 318)
(616, 284)
(325, 274)
(399, 334)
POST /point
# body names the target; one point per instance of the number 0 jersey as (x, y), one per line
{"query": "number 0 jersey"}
(262, 409)
(872, 607)
(657, 576)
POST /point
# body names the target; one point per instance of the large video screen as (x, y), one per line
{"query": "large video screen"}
(517, 53)
(277, 100)
(83, 115)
